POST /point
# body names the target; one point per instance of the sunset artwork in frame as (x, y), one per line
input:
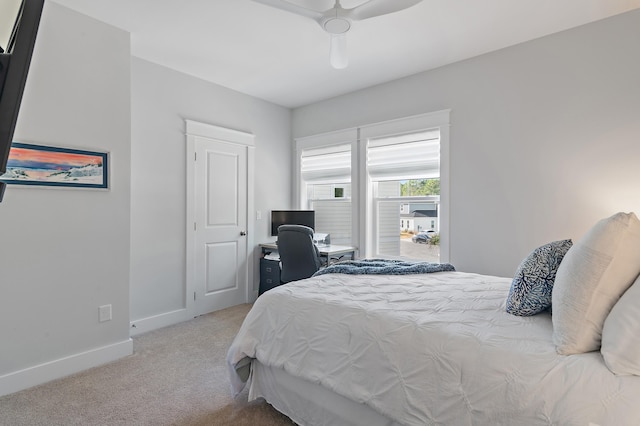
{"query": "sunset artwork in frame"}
(54, 166)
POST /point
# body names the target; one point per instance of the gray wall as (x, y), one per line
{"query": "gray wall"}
(161, 100)
(65, 252)
(545, 137)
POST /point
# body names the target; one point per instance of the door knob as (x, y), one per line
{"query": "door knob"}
(243, 233)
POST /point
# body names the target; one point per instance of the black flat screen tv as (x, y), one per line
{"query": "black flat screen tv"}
(291, 217)
(15, 58)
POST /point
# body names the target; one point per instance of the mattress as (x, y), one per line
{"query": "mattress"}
(429, 349)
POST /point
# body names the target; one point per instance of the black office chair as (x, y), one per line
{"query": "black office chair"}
(299, 257)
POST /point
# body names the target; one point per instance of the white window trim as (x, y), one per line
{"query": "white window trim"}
(340, 137)
(416, 123)
(361, 188)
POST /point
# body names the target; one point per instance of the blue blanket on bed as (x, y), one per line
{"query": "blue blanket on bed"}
(384, 267)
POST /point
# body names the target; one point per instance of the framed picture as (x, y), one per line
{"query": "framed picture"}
(52, 166)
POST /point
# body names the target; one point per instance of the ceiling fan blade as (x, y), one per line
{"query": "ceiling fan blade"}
(294, 8)
(338, 53)
(375, 8)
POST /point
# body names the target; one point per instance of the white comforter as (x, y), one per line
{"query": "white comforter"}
(431, 349)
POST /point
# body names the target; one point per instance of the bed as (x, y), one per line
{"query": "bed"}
(422, 349)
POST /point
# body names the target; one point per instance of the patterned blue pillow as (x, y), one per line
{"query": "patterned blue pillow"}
(532, 284)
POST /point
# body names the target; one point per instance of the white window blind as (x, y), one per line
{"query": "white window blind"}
(409, 156)
(388, 230)
(327, 164)
(333, 217)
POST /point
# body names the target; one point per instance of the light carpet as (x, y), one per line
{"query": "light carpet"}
(176, 376)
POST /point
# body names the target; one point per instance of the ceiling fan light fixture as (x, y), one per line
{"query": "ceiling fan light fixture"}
(338, 53)
(337, 25)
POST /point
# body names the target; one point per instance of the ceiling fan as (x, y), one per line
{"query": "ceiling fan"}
(337, 20)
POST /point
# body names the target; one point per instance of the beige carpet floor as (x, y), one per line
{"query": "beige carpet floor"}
(176, 376)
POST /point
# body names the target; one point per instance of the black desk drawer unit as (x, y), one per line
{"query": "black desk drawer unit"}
(269, 274)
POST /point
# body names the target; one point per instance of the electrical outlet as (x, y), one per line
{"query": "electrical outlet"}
(105, 313)
(258, 215)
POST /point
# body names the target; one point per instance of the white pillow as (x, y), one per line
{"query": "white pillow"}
(621, 334)
(593, 275)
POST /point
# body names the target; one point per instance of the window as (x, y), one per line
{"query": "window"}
(378, 185)
(404, 172)
(326, 182)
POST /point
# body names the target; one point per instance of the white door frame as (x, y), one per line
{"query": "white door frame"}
(197, 129)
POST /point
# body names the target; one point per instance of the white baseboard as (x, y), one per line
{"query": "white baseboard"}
(39, 374)
(158, 321)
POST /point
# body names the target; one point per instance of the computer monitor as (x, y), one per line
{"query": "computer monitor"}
(291, 217)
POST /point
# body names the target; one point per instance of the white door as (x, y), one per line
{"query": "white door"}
(220, 207)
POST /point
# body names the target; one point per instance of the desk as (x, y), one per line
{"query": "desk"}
(330, 252)
(270, 267)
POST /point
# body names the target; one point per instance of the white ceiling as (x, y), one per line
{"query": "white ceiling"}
(284, 58)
